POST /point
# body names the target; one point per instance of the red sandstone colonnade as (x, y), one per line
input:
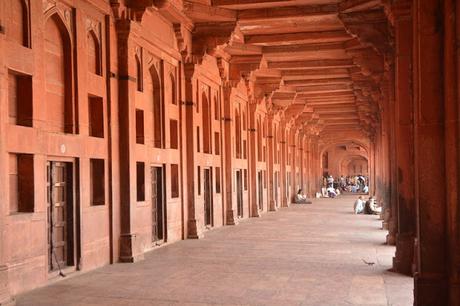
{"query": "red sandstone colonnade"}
(129, 124)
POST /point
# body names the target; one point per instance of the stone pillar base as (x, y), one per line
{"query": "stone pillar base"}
(231, 218)
(5, 297)
(454, 289)
(130, 248)
(192, 230)
(391, 239)
(431, 291)
(404, 257)
(255, 214)
(272, 206)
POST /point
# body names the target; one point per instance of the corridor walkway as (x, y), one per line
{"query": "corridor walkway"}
(302, 255)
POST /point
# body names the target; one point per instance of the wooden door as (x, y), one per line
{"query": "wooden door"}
(60, 215)
(208, 208)
(158, 207)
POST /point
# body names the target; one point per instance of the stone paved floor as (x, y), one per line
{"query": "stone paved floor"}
(302, 255)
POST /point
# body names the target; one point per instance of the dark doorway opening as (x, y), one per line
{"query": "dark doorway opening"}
(275, 188)
(60, 215)
(208, 205)
(159, 217)
(239, 193)
(260, 190)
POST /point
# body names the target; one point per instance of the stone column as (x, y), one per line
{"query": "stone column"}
(452, 133)
(431, 278)
(389, 162)
(405, 206)
(309, 174)
(130, 247)
(189, 104)
(5, 298)
(270, 162)
(252, 159)
(228, 170)
(293, 147)
(283, 162)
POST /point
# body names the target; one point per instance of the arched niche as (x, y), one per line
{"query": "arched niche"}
(94, 53)
(139, 74)
(157, 107)
(259, 140)
(58, 76)
(18, 28)
(206, 122)
(237, 133)
(172, 81)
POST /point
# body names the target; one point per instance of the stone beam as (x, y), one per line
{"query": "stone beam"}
(202, 12)
(298, 37)
(303, 48)
(243, 2)
(326, 63)
(358, 5)
(319, 81)
(287, 12)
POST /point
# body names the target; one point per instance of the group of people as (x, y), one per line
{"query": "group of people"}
(368, 207)
(357, 183)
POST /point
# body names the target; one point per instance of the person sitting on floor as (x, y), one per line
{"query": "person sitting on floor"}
(365, 189)
(331, 192)
(371, 207)
(354, 188)
(300, 198)
(359, 205)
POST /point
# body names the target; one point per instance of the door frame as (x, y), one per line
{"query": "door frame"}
(164, 202)
(74, 164)
(239, 196)
(211, 196)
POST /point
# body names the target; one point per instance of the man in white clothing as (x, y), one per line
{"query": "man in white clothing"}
(359, 205)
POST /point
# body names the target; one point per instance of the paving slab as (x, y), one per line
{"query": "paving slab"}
(302, 255)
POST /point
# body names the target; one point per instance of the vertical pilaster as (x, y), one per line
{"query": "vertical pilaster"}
(431, 278)
(252, 160)
(130, 246)
(270, 174)
(228, 170)
(189, 103)
(283, 161)
(5, 298)
(405, 206)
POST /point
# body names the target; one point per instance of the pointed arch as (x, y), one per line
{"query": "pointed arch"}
(94, 53)
(139, 74)
(19, 29)
(259, 140)
(158, 109)
(237, 133)
(172, 80)
(206, 120)
(58, 76)
(216, 109)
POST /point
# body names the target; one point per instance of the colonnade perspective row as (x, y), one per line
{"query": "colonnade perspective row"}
(128, 124)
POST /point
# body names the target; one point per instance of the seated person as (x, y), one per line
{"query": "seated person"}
(365, 189)
(354, 188)
(331, 192)
(359, 205)
(371, 208)
(300, 198)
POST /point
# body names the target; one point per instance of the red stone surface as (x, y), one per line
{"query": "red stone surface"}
(125, 125)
